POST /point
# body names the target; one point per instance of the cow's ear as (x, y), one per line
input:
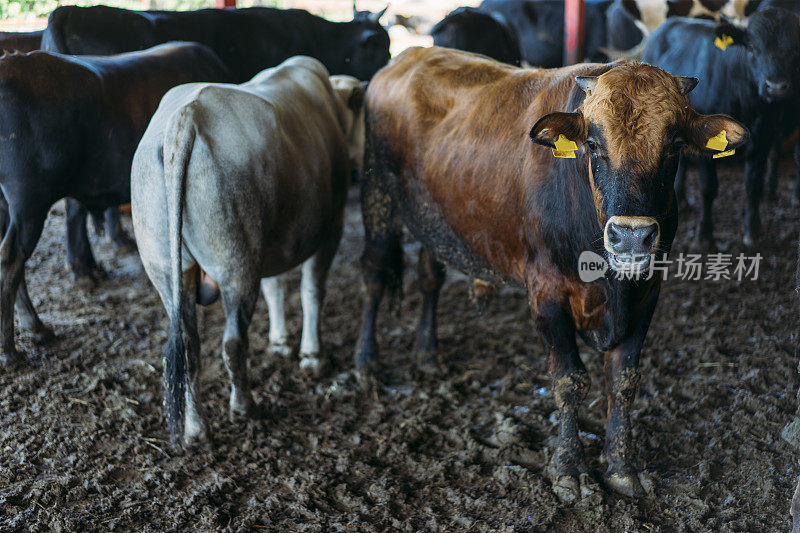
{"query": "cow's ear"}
(727, 34)
(356, 99)
(550, 128)
(587, 83)
(686, 83)
(376, 17)
(716, 135)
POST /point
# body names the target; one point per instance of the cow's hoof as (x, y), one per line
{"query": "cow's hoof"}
(570, 489)
(123, 243)
(280, 348)
(12, 358)
(311, 364)
(42, 334)
(366, 356)
(628, 484)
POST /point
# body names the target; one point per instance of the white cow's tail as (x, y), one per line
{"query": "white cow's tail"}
(178, 142)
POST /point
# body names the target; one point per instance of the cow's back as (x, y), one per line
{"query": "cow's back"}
(453, 128)
(685, 47)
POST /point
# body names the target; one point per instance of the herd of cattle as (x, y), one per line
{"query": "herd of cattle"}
(234, 134)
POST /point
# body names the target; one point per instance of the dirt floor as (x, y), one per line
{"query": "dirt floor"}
(459, 447)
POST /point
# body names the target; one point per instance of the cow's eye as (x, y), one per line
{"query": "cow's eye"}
(591, 145)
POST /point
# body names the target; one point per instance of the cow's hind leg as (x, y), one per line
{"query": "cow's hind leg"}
(708, 191)
(239, 304)
(28, 319)
(754, 187)
(431, 278)
(381, 262)
(571, 383)
(274, 290)
(312, 293)
(115, 232)
(18, 244)
(80, 259)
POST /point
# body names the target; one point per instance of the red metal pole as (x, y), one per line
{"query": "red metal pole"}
(226, 3)
(574, 11)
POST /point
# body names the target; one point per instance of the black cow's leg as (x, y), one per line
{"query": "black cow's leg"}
(11, 268)
(238, 304)
(79, 252)
(773, 162)
(754, 187)
(680, 179)
(708, 191)
(114, 230)
(18, 244)
(431, 278)
(570, 383)
(381, 262)
(797, 164)
(28, 319)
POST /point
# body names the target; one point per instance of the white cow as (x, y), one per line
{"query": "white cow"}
(243, 182)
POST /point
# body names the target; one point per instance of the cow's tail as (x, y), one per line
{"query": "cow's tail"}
(178, 143)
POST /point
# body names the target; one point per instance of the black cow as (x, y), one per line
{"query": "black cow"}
(20, 41)
(540, 27)
(70, 128)
(247, 40)
(471, 30)
(755, 79)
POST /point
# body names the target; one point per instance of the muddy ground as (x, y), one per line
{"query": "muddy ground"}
(83, 445)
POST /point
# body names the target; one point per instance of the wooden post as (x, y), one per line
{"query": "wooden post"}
(574, 30)
(226, 3)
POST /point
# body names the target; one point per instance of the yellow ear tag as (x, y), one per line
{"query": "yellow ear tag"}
(723, 154)
(718, 142)
(723, 42)
(564, 147)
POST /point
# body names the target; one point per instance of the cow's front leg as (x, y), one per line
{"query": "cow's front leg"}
(571, 383)
(80, 259)
(797, 176)
(274, 290)
(708, 191)
(754, 187)
(622, 383)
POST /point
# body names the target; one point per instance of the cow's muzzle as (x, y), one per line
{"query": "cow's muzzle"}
(776, 90)
(630, 242)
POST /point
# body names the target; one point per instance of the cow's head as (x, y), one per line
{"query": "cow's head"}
(629, 131)
(772, 43)
(369, 46)
(350, 92)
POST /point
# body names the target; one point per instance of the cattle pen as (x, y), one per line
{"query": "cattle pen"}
(463, 438)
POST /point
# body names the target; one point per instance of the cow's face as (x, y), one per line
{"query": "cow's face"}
(772, 43)
(370, 45)
(629, 131)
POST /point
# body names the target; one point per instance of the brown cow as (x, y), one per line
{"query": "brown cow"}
(449, 154)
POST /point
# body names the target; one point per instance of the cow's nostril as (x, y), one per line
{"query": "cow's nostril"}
(650, 236)
(614, 236)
